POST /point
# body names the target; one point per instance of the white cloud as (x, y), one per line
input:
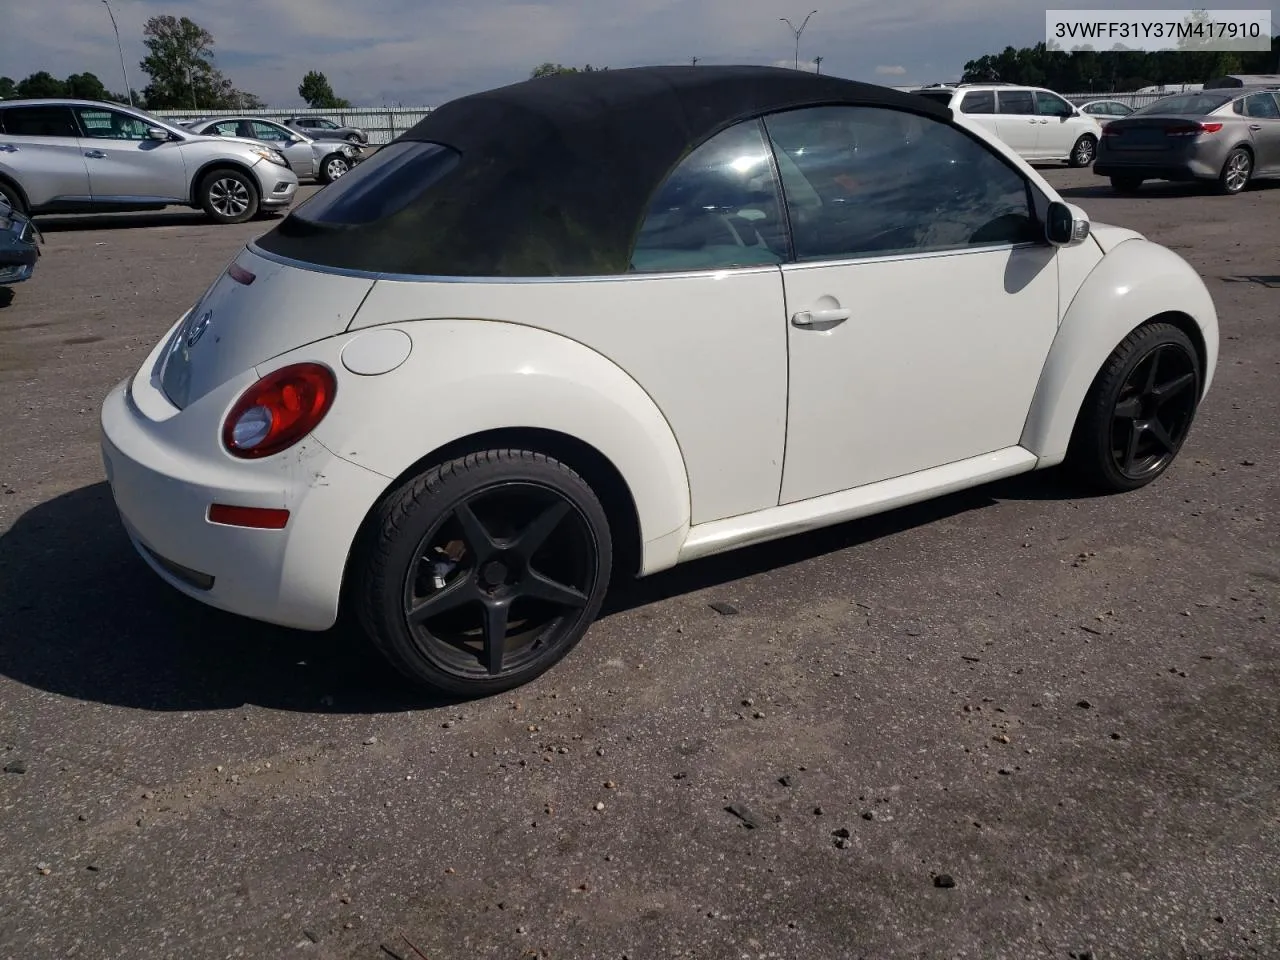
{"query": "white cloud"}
(891, 71)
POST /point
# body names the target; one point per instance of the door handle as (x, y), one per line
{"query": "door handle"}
(8, 148)
(95, 154)
(1255, 126)
(811, 318)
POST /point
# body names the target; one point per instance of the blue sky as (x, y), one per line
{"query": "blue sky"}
(419, 52)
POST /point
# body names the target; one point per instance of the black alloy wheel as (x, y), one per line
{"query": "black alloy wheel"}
(487, 571)
(1139, 410)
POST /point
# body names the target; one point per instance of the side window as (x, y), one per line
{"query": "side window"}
(267, 131)
(1018, 102)
(1262, 105)
(872, 181)
(979, 101)
(1051, 105)
(109, 125)
(40, 122)
(227, 128)
(719, 208)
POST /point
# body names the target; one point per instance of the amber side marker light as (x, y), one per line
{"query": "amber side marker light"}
(256, 518)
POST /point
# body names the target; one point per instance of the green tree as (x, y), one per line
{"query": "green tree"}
(41, 84)
(8, 89)
(553, 69)
(180, 65)
(86, 86)
(315, 89)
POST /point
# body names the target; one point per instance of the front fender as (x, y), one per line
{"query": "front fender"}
(465, 377)
(1135, 282)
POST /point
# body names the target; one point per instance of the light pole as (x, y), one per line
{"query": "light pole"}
(795, 31)
(127, 88)
(817, 63)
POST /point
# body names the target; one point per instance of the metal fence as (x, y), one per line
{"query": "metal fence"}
(382, 124)
(1134, 100)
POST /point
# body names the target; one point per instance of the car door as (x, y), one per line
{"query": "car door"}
(1059, 127)
(297, 151)
(1263, 111)
(922, 299)
(126, 165)
(40, 149)
(1017, 121)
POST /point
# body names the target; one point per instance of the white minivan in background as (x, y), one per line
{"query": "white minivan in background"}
(1037, 123)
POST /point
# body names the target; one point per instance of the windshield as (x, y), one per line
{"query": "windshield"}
(1184, 105)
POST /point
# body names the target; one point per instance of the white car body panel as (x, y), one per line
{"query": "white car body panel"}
(465, 377)
(724, 392)
(922, 374)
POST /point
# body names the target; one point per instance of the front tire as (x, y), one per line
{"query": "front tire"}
(229, 196)
(1083, 153)
(1139, 410)
(13, 197)
(482, 573)
(334, 166)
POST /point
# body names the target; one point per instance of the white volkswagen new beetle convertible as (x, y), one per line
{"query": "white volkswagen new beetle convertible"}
(592, 326)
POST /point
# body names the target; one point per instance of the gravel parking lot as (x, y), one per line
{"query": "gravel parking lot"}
(1012, 723)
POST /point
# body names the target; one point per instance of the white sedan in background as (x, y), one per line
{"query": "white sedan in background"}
(589, 327)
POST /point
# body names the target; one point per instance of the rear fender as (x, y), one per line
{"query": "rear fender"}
(1134, 283)
(467, 377)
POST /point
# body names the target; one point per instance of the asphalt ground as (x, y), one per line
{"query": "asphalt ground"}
(1066, 705)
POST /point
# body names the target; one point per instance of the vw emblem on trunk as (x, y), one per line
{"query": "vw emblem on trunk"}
(198, 330)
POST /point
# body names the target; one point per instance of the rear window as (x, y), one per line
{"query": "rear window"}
(978, 101)
(1184, 105)
(385, 184)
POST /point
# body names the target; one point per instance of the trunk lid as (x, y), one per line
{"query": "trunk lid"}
(257, 309)
(1157, 132)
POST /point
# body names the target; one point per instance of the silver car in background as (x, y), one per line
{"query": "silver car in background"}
(1224, 137)
(310, 158)
(86, 156)
(328, 129)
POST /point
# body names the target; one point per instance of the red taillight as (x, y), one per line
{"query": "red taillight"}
(1191, 129)
(279, 410)
(258, 518)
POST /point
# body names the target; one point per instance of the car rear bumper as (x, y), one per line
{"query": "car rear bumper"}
(1155, 165)
(165, 475)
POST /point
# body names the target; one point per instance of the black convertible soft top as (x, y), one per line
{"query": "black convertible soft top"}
(544, 178)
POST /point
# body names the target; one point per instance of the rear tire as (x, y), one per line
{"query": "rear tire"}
(13, 197)
(1126, 185)
(1139, 410)
(1084, 152)
(228, 196)
(1236, 172)
(481, 573)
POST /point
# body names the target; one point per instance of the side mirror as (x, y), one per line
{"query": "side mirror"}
(1066, 225)
(157, 133)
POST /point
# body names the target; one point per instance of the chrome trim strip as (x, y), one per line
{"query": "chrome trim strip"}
(412, 278)
(921, 255)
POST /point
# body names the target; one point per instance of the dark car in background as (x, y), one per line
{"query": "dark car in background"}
(19, 245)
(1226, 137)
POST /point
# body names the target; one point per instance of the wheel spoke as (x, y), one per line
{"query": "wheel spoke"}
(1129, 409)
(1167, 391)
(1161, 435)
(1154, 371)
(536, 534)
(496, 613)
(473, 532)
(454, 595)
(540, 587)
(1131, 449)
